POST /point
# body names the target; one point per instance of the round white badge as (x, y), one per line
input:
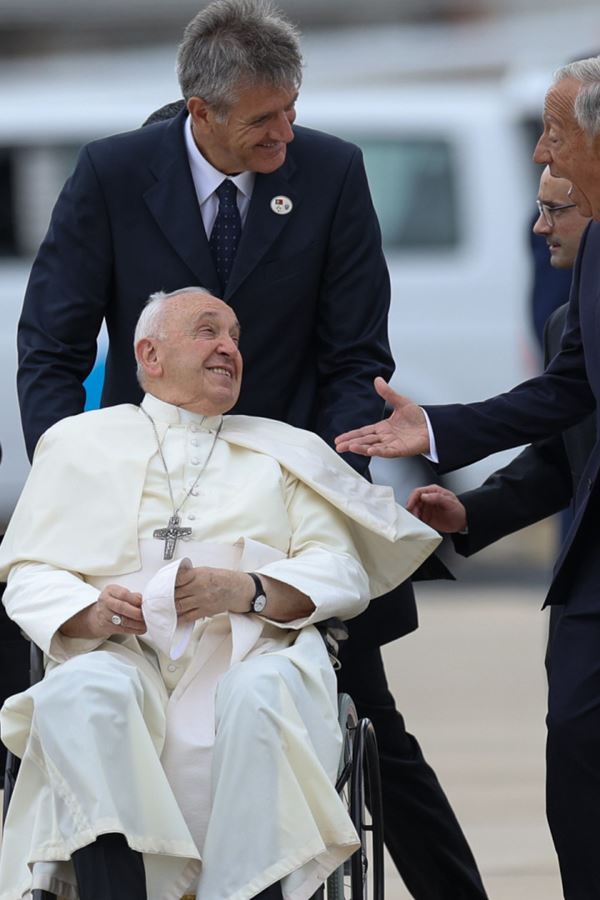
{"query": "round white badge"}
(281, 205)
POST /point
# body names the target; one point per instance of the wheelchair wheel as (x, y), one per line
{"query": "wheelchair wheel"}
(359, 785)
(366, 811)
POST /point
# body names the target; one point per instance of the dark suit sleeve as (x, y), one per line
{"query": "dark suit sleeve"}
(538, 408)
(534, 485)
(64, 306)
(353, 346)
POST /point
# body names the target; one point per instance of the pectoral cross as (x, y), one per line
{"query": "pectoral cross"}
(170, 534)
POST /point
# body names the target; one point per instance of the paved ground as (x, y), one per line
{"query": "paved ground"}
(471, 685)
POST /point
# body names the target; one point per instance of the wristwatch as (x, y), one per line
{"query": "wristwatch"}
(259, 601)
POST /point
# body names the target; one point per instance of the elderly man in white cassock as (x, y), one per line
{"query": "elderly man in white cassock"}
(172, 562)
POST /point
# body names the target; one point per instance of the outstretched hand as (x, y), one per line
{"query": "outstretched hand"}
(438, 507)
(404, 433)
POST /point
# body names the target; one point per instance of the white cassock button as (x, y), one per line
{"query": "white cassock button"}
(195, 461)
(193, 428)
(191, 517)
(194, 442)
(172, 668)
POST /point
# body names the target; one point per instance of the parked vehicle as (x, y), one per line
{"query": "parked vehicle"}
(454, 187)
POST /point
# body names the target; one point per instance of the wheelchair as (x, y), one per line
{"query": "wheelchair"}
(361, 877)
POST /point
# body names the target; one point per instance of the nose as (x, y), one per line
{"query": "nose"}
(540, 226)
(541, 153)
(228, 347)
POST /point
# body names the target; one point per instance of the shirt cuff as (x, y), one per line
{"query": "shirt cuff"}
(432, 456)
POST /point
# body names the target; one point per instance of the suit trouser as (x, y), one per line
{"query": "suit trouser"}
(109, 870)
(422, 833)
(573, 749)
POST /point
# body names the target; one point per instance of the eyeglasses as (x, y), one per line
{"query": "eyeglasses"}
(548, 211)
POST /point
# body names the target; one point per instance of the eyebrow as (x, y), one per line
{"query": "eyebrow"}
(211, 314)
(270, 112)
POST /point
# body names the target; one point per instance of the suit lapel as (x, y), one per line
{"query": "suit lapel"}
(262, 226)
(173, 203)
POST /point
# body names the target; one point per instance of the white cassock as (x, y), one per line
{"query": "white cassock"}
(214, 748)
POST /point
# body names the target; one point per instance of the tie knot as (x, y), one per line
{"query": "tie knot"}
(227, 192)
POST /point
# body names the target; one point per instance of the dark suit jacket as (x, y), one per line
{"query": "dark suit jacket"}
(564, 394)
(539, 482)
(311, 288)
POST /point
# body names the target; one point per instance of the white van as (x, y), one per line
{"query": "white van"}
(451, 177)
(454, 186)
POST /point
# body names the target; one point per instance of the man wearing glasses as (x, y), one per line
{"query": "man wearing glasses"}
(551, 281)
(559, 221)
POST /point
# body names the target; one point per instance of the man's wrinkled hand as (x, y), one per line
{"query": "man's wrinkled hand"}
(439, 508)
(204, 591)
(96, 620)
(404, 433)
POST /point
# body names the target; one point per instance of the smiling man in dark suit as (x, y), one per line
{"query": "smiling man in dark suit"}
(567, 391)
(277, 220)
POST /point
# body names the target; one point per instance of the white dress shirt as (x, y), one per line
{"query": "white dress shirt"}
(207, 179)
(432, 456)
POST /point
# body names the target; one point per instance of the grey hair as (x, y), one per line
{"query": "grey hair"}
(233, 43)
(151, 321)
(587, 101)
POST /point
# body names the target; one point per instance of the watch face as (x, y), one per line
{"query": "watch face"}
(259, 603)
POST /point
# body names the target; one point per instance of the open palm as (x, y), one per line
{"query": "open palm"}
(403, 433)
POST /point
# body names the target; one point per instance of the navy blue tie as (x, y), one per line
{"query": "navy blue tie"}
(225, 235)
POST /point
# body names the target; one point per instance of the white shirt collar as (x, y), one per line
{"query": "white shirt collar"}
(170, 414)
(206, 178)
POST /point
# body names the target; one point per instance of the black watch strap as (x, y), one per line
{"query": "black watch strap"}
(259, 601)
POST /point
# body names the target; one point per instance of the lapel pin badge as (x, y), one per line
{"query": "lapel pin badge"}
(281, 205)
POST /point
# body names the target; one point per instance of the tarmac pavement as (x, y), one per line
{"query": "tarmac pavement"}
(471, 685)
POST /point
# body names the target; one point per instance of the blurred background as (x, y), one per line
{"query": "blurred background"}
(445, 98)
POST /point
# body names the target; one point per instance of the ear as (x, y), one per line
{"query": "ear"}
(200, 112)
(148, 357)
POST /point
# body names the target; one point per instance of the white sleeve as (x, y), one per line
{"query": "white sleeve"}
(40, 598)
(322, 560)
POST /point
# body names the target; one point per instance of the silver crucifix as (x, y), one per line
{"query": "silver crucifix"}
(170, 534)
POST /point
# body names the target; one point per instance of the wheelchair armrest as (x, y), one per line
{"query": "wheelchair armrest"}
(333, 631)
(36, 664)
